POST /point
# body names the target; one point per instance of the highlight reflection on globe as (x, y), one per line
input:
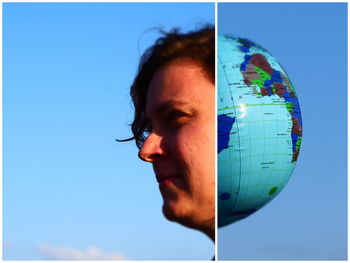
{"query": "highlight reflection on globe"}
(259, 128)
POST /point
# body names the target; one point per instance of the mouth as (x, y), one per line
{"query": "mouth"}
(164, 178)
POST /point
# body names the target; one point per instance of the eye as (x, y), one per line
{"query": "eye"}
(174, 116)
(175, 119)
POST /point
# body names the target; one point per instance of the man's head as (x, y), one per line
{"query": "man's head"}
(174, 125)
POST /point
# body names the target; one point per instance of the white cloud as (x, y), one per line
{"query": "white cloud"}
(66, 253)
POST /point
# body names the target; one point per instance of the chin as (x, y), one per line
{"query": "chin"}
(184, 215)
(180, 214)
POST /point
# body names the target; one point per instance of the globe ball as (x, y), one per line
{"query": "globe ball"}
(259, 128)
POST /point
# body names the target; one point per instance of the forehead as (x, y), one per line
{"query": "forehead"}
(180, 81)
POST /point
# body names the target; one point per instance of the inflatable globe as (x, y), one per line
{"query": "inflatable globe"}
(259, 128)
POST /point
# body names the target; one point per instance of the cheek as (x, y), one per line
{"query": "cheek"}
(194, 145)
(181, 146)
(176, 144)
(205, 149)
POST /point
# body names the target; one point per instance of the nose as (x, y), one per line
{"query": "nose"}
(151, 149)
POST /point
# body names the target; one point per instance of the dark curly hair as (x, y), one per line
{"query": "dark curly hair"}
(198, 46)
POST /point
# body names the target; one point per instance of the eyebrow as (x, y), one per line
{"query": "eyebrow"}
(166, 105)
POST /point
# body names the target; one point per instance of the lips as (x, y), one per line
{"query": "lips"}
(162, 177)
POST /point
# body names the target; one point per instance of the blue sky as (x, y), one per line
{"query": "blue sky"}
(308, 220)
(70, 190)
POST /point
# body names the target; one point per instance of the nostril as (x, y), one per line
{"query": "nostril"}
(154, 157)
(149, 157)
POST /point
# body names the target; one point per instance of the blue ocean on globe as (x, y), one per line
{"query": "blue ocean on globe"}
(259, 128)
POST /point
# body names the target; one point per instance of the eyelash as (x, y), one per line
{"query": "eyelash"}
(147, 130)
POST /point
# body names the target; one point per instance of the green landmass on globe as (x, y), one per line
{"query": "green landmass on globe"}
(259, 128)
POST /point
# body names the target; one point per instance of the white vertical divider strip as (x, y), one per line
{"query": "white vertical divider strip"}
(1, 152)
(216, 131)
(348, 141)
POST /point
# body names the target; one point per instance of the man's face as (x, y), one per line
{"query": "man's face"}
(181, 145)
